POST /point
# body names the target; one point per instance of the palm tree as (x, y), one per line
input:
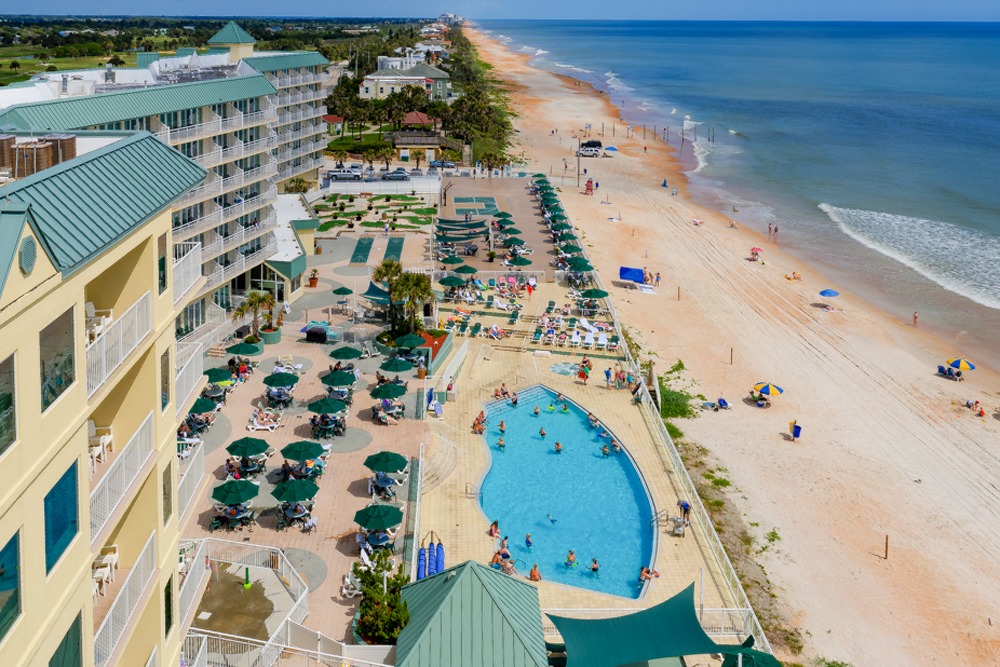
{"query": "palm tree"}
(297, 186)
(389, 272)
(415, 289)
(255, 303)
(340, 156)
(385, 153)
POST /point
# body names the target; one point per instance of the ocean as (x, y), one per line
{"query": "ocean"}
(875, 147)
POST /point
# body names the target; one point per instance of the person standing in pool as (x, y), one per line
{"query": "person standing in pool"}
(503, 426)
(559, 447)
(513, 400)
(594, 566)
(537, 410)
(541, 433)
(501, 444)
(571, 559)
(605, 451)
(527, 541)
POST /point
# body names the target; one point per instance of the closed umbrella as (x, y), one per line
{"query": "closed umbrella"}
(327, 406)
(421, 563)
(409, 340)
(218, 374)
(389, 390)
(961, 364)
(244, 349)
(466, 270)
(431, 559)
(593, 293)
(281, 380)
(247, 447)
(235, 492)
(345, 352)
(295, 491)
(452, 260)
(520, 261)
(396, 365)
(338, 379)
(343, 291)
(439, 561)
(378, 517)
(452, 281)
(386, 462)
(304, 449)
(203, 405)
(768, 389)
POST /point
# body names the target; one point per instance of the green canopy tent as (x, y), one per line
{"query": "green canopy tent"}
(444, 238)
(458, 222)
(667, 630)
(377, 294)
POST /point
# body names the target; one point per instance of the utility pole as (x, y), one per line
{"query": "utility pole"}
(578, 162)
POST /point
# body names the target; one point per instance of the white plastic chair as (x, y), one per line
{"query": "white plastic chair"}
(588, 341)
(602, 341)
(575, 340)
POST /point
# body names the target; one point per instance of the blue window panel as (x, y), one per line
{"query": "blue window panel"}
(10, 584)
(69, 653)
(62, 516)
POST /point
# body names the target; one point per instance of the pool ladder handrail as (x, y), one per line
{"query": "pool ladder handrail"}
(661, 514)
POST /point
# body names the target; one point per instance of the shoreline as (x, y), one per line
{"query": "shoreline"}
(878, 423)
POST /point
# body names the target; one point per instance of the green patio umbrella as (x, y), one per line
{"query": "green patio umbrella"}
(218, 374)
(512, 231)
(580, 264)
(562, 227)
(593, 293)
(514, 241)
(244, 349)
(379, 517)
(569, 247)
(502, 214)
(465, 269)
(338, 379)
(345, 352)
(568, 236)
(539, 176)
(385, 462)
(389, 390)
(247, 447)
(545, 188)
(396, 365)
(343, 291)
(452, 260)
(520, 261)
(281, 380)
(203, 405)
(235, 492)
(550, 199)
(409, 340)
(452, 281)
(558, 217)
(327, 406)
(295, 491)
(301, 450)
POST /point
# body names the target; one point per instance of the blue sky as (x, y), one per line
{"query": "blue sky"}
(841, 10)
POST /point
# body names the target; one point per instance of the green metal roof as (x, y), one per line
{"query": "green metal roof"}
(13, 217)
(283, 61)
(84, 205)
(471, 615)
(232, 34)
(289, 269)
(185, 51)
(92, 110)
(308, 223)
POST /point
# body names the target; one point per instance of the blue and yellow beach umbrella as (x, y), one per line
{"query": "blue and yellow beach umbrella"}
(768, 389)
(961, 364)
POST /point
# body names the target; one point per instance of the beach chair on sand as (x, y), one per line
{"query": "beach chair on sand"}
(537, 336)
(550, 337)
(463, 327)
(475, 330)
(588, 341)
(575, 340)
(942, 371)
(602, 341)
(723, 404)
(490, 300)
(613, 343)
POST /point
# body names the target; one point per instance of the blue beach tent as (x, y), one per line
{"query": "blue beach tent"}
(632, 275)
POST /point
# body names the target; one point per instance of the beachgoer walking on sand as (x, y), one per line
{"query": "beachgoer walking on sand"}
(770, 229)
(656, 281)
(915, 318)
(607, 377)
(776, 231)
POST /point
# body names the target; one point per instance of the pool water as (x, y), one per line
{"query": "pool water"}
(599, 504)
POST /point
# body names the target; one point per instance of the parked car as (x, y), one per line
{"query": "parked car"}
(396, 176)
(416, 172)
(589, 151)
(343, 175)
(592, 143)
(442, 164)
(432, 171)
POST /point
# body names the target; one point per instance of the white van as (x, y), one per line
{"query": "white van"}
(589, 151)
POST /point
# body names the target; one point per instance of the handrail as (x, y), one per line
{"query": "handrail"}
(110, 349)
(109, 493)
(187, 268)
(126, 603)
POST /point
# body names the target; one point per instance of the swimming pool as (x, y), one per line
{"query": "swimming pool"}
(600, 505)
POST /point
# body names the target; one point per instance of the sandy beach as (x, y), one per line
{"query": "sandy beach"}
(888, 448)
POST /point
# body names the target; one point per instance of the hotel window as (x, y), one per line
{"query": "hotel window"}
(69, 653)
(56, 357)
(165, 379)
(161, 263)
(10, 584)
(62, 517)
(168, 607)
(168, 493)
(8, 408)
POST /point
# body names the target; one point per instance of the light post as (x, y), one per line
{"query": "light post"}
(578, 162)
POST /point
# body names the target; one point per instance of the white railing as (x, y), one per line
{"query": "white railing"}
(213, 218)
(285, 117)
(210, 187)
(217, 323)
(234, 122)
(300, 168)
(126, 604)
(221, 244)
(190, 132)
(111, 348)
(245, 262)
(315, 112)
(195, 574)
(109, 494)
(422, 185)
(249, 205)
(273, 558)
(209, 159)
(222, 650)
(302, 133)
(250, 176)
(154, 658)
(192, 472)
(188, 379)
(187, 268)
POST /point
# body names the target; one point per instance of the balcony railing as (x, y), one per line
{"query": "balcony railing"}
(301, 133)
(110, 492)
(126, 604)
(180, 135)
(303, 150)
(211, 218)
(285, 117)
(220, 244)
(210, 187)
(192, 472)
(303, 167)
(209, 331)
(249, 205)
(244, 263)
(111, 348)
(249, 176)
(188, 379)
(187, 268)
(195, 576)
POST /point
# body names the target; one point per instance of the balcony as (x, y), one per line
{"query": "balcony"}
(220, 244)
(224, 274)
(210, 330)
(111, 348)
(301, 151)
(301, 168)
(210, 187)
(249, 176)
(133, 593)
(112, 490)
(189, 378)
(192, 472)
(249, 205)
(285, 117)
(236, 152)
(181, 135)
(187, 268)
(302, 133)
(212, 218)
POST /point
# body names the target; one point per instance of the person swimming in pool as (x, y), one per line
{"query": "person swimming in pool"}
(559, 447)
(595, 566)
(552, 407)
(565, 408)
(559, 398)
(537, 410)
(541, 432)
(614, 443)
(527, 541)
(551, 519)
(571, 559)
(605, 451)
(501, 444)
(503, 426)
(592, 419)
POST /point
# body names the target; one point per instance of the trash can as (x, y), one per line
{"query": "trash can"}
(796, 431)
(421, 373)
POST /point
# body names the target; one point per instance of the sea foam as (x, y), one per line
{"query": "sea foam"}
(573, 68)
(960, 260)
(615, 83)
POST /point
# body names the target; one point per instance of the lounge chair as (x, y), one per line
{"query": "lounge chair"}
(613, 343)
(537, 336)
(561, 340)
(587, 326)
(588, 341)
(463, 327)
(602, 341)
(490, 300)
(575, 340)
(551, 307)
(550, 337)
(942, 371)
(477, 329)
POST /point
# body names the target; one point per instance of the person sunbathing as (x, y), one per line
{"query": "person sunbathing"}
(263, 418)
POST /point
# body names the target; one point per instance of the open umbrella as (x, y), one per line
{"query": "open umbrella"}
(409, 340)
(281, 380)
(512, 231)
(502, 214)
(303, 449)
(338, 379)
(539, 176)
(379, 517)
(579, 264)
(558, 217)
(452, 260)
(562, 227)
(465, 269)
(829, 293)
(218, 374)
(203, 405)
(295, 491)
(396, 365)
(343, 291)
(514, 241)
(962, 364)
(327, 406)
(385, 462)
(768, 389)
(235, 492)
(570, 248)
(345, 352)
(568, 236)
(756, 249)
(247, 447)
(593, 293)
(389, 390)
(244, 349)
(452, 281)
(520, 261)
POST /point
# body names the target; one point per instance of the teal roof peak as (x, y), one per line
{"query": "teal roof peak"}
(232, 34)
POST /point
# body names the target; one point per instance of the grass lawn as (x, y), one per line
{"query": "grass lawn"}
(406, 198)
(31, 66)
(355, 145)
(424, 211)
